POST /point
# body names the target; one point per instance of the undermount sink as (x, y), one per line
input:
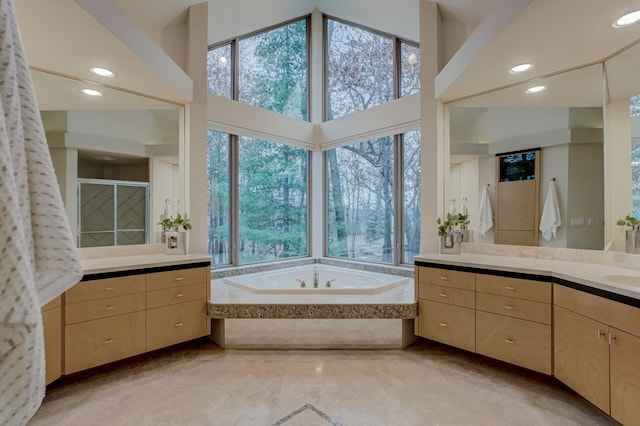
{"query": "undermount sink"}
(623, 279)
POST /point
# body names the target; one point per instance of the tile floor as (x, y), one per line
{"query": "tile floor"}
(198, 383)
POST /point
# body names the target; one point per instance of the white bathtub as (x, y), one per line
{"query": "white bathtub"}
(346, 281)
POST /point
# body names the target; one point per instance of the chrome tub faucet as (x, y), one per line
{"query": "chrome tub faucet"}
(315, 277)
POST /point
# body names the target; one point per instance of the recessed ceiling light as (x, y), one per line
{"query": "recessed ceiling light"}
(536, 89)
(628, 19)
(91, 92)
(517, 69)
(102, 72)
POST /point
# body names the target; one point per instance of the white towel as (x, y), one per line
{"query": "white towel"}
(550, 219)
(485, 215)
(38, 259)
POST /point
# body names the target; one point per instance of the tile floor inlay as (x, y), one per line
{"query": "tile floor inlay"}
(303, 410)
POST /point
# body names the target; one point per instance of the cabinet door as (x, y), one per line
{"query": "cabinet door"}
(625, 377)
(581, 354)
(52, 325)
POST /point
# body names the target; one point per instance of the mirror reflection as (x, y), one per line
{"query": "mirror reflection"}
(116, 157)
(563, 126)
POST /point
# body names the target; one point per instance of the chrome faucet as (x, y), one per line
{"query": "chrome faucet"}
(315, 277)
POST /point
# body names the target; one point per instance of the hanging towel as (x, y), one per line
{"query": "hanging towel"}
(485, 215)
(550, 219)
(38, 259)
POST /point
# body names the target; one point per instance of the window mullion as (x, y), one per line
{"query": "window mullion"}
(398, 203)
(234, 213)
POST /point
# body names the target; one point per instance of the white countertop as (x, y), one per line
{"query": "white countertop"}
(126, 263)
(589, 274)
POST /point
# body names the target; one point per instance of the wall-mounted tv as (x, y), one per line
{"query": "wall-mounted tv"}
(518, 166)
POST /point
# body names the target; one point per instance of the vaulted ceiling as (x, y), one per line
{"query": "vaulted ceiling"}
(68, 36)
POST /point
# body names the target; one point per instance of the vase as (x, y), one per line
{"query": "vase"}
(450, 243)
(176, 242)
(633, 242)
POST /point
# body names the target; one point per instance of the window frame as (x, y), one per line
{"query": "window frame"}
(398, 205)
(235, 55)
(396, 55)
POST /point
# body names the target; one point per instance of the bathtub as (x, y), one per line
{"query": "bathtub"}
(345, 281)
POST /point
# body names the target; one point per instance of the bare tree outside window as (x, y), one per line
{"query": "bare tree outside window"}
(360, 214)
(359, 69)
(218, 196)
(219, 71)
(409, 69)
(411, 195)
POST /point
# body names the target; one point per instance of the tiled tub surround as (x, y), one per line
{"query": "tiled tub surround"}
(244, 319)
(565, 316)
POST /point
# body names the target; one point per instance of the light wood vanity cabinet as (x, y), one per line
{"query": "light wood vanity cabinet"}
(596, 351)
(176, 302)
(500, 317)
(104, 321)
(513, 321)
(109, 319)
(52, 326)
(446, 307)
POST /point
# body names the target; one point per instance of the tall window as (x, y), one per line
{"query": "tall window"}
(218, 197)
(361, 69)
(273, 201)
(411, 195)
(270, 219)
(272, 69)
(362, 221)
(635, 161)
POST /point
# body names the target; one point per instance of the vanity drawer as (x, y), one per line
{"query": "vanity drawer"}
(108, 287)
(538, 291)
(450, 295)
(173, 324)
(180, 277)
(449, 278)
(452, 325)
(513, 307)
(103, 308)
(170, 296)
(92, 343)
(516, 341)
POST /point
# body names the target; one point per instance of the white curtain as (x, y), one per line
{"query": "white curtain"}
(38, 259)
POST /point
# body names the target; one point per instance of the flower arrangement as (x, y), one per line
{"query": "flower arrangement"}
(629, 221)
(453, 222)
(169, 223)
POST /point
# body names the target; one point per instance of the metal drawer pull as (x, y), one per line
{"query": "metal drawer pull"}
(180, 324)
(444, 324)
(106, 342)
(444, 295)
(109, 288)
(508, 287)
(611, 338)
(508, 307)
(509, 341)
(180, 295)
(600, 334)
(179, 278)
(109, 308)
(444, 278)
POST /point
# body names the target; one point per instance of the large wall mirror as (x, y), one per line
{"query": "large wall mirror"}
(565, 123)
(587, 128)
(116, 157)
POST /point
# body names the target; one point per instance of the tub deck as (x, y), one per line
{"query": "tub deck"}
(241, 319)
